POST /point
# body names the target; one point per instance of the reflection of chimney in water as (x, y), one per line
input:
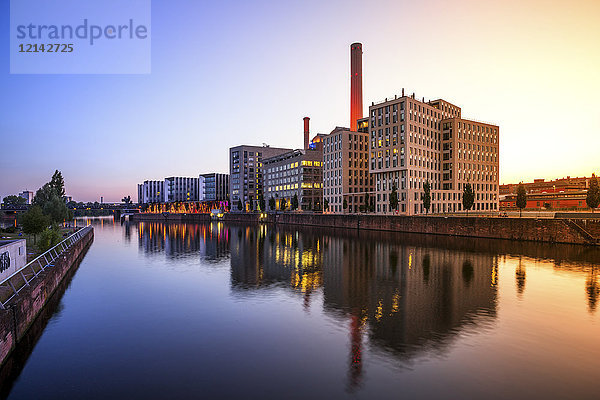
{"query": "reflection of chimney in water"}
(355, 370)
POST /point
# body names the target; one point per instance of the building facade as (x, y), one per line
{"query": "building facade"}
(246, 173)
(151, 192)
(567, 184)
(412, 142)
(564, 200)
(346, 170)
(297, 172)
(27, 195)
(214, 187)
(178, 188)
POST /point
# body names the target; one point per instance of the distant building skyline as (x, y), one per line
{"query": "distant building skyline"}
(501, 61)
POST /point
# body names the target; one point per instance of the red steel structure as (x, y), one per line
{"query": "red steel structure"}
(356, 97)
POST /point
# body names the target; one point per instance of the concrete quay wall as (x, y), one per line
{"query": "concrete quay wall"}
(571, 231)
(22, 311)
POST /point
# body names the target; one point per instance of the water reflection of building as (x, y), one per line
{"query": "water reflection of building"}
(407, 298)
(412, 298)
(209, 241)
(264, 256)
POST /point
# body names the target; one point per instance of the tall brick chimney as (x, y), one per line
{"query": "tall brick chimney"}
(306, 133)
(356, 104)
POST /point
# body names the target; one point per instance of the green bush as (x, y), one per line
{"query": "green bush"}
(49, 238)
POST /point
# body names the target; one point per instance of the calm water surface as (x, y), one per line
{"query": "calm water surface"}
(175, 311)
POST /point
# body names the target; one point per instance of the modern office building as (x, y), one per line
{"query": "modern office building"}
(346, 170)
(27, 195)
(151, 192)
(297, 172)
(246, 173)
(412, 141)
(178, 188)
(214, 187)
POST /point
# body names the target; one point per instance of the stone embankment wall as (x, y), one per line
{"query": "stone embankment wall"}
(571, 231)
(22, 311)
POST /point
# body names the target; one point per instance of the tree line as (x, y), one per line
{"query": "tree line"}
(48, 210)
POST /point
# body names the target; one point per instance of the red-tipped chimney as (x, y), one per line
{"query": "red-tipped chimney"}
(306, 132)
(356, 104)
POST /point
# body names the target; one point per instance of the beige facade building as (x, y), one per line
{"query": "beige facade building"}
(298, 172)
(346, 170)
(412, 141)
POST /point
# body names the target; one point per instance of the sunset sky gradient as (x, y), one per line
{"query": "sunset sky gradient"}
(238, 72)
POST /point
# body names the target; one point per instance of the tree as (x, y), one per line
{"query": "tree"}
(521, 198)
(34, 221)
(240, 205)
(282, 204)
(272, 203)
(426, 196)
(251, 203)
(261, 203)
(295, 202)
(394, 198)
(468, 197)
(126, 200)
(593, 194)
(57, 184)
(13, 200)
(326, 205)
(56, 209)
(50, 198)
(367, 206)
(345, 204)
(49, 238)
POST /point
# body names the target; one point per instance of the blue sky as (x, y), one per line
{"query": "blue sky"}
(232, 72)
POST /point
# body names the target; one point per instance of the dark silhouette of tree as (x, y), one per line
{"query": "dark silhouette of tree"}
(326, 205)
(468, 197)
(520, 275)
(593, 193)
(345, 204)
(467, 272)
(282, 204)
(294, 202)
(272, 203)
(57, 183)
(521, 198)
(13, 200)
(592, 289)
(261, 203)
(34, 222)
(367, 208)
(126, 200)
(50, 198)
(394, 198)
(426, 196)
(240, 206)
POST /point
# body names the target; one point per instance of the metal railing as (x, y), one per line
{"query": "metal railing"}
(12, 285)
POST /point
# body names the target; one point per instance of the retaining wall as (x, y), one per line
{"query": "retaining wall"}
(526, 229)
(22, 311)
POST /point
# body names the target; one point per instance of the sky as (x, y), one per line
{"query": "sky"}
(238, 72)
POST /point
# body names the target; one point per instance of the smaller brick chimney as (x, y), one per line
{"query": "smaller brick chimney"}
(306, 132)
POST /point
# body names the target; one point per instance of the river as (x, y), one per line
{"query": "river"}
(177, 311)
